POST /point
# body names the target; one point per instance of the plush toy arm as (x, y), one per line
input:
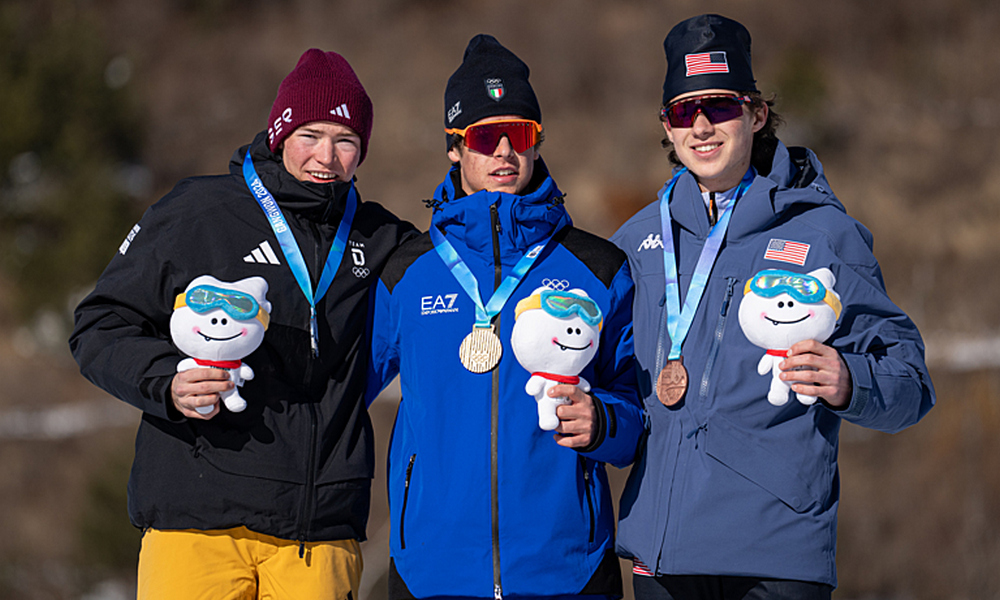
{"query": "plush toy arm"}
(186, 365)
(535, 385)
(584, 385)
(246, 372)
(764, 366)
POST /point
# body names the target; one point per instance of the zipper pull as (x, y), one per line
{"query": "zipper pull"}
(497, 592)
(495, 217)
(302, 549)
(729, 295)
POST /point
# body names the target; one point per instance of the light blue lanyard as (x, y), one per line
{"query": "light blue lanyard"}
(291, 249)
(469, 283)
(678, 320)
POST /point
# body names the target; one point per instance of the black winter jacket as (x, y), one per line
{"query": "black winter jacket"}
(297, 463)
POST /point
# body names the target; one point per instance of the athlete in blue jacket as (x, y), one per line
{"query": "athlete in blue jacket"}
(484, 503)
(735, 492)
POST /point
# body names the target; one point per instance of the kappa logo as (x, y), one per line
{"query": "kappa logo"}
(438, 305)
(341, 111)
(454, 111)
(651, 242)
(128, 239)
(263, 254)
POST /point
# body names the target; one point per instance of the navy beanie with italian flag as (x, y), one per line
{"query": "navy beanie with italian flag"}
(491, 81)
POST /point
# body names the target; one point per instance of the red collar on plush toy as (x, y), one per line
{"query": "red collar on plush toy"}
(781, 353)
(219, 364)
(570, 379)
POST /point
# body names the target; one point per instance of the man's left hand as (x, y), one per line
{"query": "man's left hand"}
(577, 420)
(823, 373)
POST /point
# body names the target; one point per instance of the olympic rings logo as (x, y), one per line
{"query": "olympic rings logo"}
(556, 284)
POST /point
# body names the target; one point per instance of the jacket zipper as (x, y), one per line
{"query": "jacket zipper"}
(306, 507)
(406, 499)
(590, 498)
(495, 420)
(720, 329)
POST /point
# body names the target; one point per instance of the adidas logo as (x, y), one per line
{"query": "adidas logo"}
(341, 111)
(262, 254)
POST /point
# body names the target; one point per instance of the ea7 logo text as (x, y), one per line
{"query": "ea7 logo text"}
(436, 305)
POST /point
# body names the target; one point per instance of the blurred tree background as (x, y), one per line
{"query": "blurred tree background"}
(70, 140)
(105, 104)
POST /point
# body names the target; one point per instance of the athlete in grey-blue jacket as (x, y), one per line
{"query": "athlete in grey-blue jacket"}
(738, 483)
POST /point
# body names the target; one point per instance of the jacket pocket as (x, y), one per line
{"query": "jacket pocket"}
(589, 492)
(406, 499)
(762, 463)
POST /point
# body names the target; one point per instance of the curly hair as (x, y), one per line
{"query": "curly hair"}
(764, 141)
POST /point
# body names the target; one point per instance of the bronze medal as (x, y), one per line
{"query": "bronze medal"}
(672, 382)
(480, 350)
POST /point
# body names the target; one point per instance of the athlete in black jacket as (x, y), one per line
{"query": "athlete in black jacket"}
(276, 496)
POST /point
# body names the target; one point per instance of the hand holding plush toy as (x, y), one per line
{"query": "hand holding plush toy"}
(555, 336)
(218, 323)
(781, 308)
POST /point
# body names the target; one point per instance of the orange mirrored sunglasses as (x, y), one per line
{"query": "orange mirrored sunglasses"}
(485, 137)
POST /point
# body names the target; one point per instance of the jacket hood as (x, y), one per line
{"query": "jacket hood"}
(524, 220)
(322, 202)
(796, 183)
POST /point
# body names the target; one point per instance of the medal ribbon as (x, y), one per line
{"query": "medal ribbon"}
(679, 320)
(290, 247)
(469, 283)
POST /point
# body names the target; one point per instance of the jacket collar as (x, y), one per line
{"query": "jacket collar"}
(320, 202)
(524, 220)
(796, 182)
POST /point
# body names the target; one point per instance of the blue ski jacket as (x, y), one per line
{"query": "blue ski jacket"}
(727, 483)
(484, 503)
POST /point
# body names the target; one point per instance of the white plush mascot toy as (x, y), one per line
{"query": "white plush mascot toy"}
(555, 336)
(780, 309)
(218, 323)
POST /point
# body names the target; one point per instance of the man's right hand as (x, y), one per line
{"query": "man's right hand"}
(198, 388)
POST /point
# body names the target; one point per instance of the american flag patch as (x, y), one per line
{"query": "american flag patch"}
(786, 251)
(706, 62)
(640, 569)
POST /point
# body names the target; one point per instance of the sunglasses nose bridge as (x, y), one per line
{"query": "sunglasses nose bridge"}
(500, 149)
(704, 112)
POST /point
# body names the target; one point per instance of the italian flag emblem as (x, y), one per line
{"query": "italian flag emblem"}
(494, 87)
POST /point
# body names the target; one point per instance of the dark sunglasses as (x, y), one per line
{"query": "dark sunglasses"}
(717, 108)
(485, 137)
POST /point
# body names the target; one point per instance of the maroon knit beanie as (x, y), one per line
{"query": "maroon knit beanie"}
(321, 87)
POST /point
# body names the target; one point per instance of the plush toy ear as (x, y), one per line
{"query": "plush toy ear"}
(256, 287)
(825, 276)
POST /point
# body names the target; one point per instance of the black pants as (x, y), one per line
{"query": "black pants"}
(720, 587)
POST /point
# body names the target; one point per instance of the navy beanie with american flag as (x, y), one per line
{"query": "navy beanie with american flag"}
(707, 52)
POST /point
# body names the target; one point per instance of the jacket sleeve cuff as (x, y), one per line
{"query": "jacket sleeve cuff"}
(158, 388)
(600, 426)
(861, 384)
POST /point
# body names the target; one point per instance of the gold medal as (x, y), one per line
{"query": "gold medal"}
(480, 350)
(672, 382)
